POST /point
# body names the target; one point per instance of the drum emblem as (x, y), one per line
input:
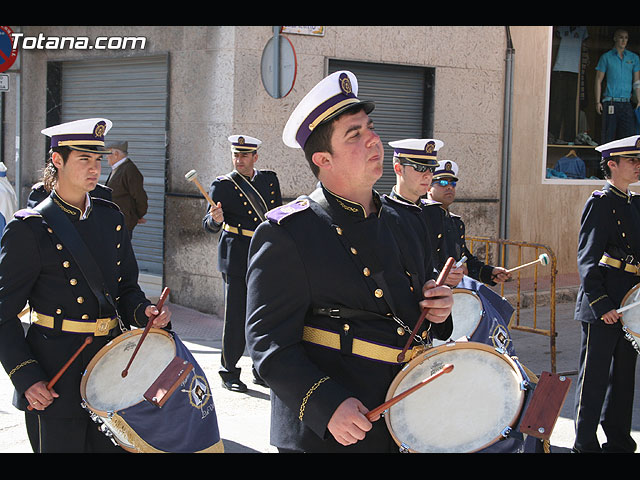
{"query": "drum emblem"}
(198, 391)
(500, 337)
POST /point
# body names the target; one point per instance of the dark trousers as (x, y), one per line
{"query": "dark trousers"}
(620, 123)
(233, 336)
(67, 435)
(604, 392)
(562, 105)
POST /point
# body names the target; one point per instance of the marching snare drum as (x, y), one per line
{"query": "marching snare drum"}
(631, 316)
(186, 421)
(467, 410)
(466, 313)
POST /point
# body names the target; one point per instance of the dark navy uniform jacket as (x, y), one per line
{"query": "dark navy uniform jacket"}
(456, 247)
(240, 217)
(610, 228)
(36, 267)
(434, 218)
(314, 257)
(39, 193)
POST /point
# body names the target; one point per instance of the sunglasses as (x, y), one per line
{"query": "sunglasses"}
(444, 183)
(418, 168)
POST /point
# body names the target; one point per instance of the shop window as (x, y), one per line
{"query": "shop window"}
(575, 126)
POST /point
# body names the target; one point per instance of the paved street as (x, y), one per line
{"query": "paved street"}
(244, 418)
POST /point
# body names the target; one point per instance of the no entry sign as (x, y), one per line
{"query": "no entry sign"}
(8, 54)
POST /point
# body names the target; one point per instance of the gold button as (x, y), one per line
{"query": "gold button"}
(241, 195)
(378, 293)
(73, 281)
(58, 311)
(400, 331)
(366, 272)
(85, 317)
(118, 262)
(439, 235)
(424, 334)
(59, 247)
(339, 230)
(273, 201)
(49, 230)
(66, 264)
(80, 300)
(354, 251)
(345, 327)
(118, 246)
(623, 234)
(119, 279)
(249, 212)
(255, 219)
(244, 203)
(411, 288)
(118, 228)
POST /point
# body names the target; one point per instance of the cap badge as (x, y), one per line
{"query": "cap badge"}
(345, 84)
(100, 129)
(430, 147)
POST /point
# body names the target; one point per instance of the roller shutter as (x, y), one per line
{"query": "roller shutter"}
(133, 93)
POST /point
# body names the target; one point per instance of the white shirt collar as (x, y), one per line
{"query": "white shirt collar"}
(118, 163)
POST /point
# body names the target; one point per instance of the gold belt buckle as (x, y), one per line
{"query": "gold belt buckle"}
(102, 326)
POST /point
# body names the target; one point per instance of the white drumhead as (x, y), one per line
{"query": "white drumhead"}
(466, 314)
(631, 317)
(461, 411)
(103, 387)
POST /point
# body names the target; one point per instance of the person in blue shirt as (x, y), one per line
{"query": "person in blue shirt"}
(622, 71)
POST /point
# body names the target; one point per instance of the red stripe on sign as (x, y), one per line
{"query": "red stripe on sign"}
(3, 56)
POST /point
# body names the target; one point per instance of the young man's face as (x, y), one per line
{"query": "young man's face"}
(357, 153)
(626, 170)
(413, 184)
(243, 162)
(443, 191)
(81, 171)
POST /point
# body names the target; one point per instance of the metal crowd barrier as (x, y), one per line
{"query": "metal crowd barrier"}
(523, 291)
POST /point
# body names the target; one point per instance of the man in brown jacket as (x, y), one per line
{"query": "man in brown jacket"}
(126, 181)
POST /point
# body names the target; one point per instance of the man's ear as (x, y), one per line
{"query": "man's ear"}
(322, 160)
(56, 159)
(397, 168)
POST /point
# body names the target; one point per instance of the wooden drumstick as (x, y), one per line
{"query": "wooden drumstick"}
(441, 279)
(378, 410)
(543, 259)
(163, 297)
(53, 381)
(192, 176)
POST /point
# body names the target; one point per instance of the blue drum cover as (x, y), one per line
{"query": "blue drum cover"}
(187, 422)
(493, 328)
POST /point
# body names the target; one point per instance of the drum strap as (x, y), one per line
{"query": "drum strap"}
(254, 197)
(69, 235)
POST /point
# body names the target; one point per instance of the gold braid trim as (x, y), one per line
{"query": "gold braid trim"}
(23, 364)
(306, 397)
(598, 299)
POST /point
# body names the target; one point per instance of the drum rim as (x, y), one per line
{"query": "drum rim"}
(622, 304)
(102, 352)
(436, 350)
